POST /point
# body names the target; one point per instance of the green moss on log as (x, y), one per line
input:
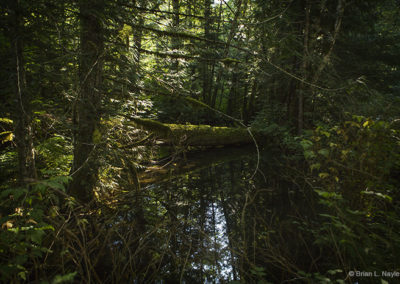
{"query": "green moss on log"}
(205, 135)
(151, 125)
(196, 135)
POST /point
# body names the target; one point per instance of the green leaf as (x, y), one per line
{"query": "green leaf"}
(6, 136)
(359, 118)
(324, 152)
(315, 166)
(323, 175)
(327, 194)
(64, 278)
(334, 271)
(309, 154)
(306, 144)
(326, 133)
(96, 136)
(15, 192)
(378, 194)
(55, 184)
(6, 120)
(22, 274)
(37, 235)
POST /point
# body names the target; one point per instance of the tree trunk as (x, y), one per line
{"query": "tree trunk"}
(175, 41)
(251, 104)
(88, 107)
(138, 33)
(22, 113)
(231, 108)
(218, 84)
(306, 31)
(225, 52)
(205, 66)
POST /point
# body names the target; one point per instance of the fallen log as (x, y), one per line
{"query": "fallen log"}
(195, 135)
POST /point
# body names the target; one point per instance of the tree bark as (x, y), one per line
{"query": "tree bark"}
(225, 52)
(205, 66)
(306, 31)
(22, 113)
(88, 107)
(175, 41)
(138, 33)
(336, 30)
(231, 108)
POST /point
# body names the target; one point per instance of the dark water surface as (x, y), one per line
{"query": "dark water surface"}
(212, 219)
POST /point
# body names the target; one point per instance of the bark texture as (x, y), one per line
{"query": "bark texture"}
(22, 112)
(88, 106)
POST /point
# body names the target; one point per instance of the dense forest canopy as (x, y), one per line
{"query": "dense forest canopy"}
(102, 99)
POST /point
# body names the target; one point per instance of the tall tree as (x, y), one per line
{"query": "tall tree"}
(306, 31)
(22, 112)
(207, 77)
(88, 104)
(175, 41)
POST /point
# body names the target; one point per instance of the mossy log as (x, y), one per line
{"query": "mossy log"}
(195, 135)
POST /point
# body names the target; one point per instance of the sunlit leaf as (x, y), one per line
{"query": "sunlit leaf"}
(323, 175)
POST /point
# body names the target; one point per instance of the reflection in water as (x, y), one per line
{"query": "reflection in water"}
(215, 225)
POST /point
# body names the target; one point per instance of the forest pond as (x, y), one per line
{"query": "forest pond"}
(230, 216)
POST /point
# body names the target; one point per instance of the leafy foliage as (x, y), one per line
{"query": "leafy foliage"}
(354, 168)
(25, 236)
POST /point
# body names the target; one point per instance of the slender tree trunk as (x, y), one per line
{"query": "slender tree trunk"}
(88, 108)
(206, 74)
(251, 103)
(232, 100)
(175, 41)
(138, 33)
(22, 113)
(221, 94)
(326, 58)
(291, 95)
(137, 41)
(225, 52)
(214, 93)
(336, 30)
(301, 91)
(244, 113)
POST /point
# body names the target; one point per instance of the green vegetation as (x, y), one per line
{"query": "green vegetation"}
(355, 167)
(196, 135)
(124, 135)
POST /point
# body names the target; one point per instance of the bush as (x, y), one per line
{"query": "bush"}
(351, 168)
(24, 229)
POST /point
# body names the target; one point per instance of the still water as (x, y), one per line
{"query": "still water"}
(215, 217)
